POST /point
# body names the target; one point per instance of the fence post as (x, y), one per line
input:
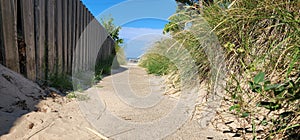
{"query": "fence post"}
(88, 41)
(40, 39)
(2, 50)
(29, 36)
(65, 36)
(51, 36)
(84, 39)
(9, 28)
(73, 14)
(59, 35)
(76, 55)
(69, 47)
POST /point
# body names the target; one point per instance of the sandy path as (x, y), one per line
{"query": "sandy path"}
(119, 107)
(131, 104)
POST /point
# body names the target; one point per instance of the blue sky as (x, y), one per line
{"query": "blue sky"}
(142, 21)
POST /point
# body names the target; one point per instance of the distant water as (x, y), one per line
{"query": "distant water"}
(128, 58)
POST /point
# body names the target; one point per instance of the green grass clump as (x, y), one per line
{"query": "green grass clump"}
(71, 95)
(156, 64)
(61, 82)
(261, 48)
(79, 97)
(261, 42)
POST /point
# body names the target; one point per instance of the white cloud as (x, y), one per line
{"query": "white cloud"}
(138, 40)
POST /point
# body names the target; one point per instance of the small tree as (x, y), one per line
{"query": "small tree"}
(112, 29)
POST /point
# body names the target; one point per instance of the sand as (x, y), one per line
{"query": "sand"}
(57, 117)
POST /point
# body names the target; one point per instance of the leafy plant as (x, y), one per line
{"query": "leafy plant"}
(112, 29)
(279, 97)
(71, 95)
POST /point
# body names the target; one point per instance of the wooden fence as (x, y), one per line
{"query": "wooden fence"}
(43, 37)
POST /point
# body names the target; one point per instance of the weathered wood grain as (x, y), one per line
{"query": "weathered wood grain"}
(2, 49)
(59, 34)
(9, 28)
(51, 36)
(29, 36)
(69, 47)
(65, 35)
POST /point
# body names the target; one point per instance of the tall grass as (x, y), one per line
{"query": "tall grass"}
(156, 64)
(260, 40)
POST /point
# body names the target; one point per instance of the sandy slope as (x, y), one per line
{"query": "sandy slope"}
(56, 119)
(18, 96)
(62, 118)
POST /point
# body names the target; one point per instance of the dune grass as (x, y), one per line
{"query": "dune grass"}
(260, 40)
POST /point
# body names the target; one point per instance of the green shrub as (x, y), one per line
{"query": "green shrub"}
(155, 64)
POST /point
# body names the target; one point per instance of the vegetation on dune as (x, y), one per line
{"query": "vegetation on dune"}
(260, 40)
(156, 63)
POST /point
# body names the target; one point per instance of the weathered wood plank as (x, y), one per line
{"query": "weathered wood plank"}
(78, 33)
(93, 42)
(51, 36)
(86, 39)
(82, 37)
(101, 41)
(73, 34)
(46, 49)
(65, 35)
(29, 36)
(93, 35)
(59, 34)
(97, 43)
(8, 10)
(79, 41)
(2, 49)
(89, 40)
(69, 47)
(40, 39)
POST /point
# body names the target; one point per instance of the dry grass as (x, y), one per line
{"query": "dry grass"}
(255, 37)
